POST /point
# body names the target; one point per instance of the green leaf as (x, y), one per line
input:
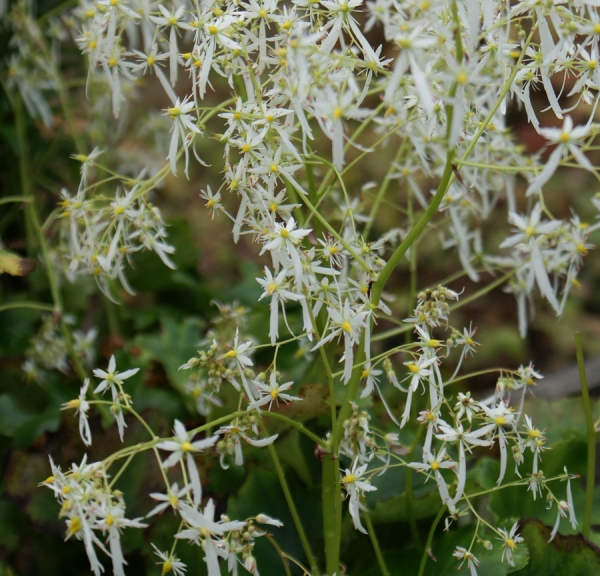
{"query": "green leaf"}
(262, 492)
(176, 343)
(395, 509)
(564, 556)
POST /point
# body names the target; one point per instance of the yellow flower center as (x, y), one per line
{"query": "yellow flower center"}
(74, 525)
(73, 404)
(435, 465)
(231, 354)
(500, 420)
(187, 447)
(348, 479)
(413, 367)
(284, 233)
(274, 393)
(510, 543)
(347, 327)
(212, 29)
(337, 113)
(110, 520)
(564, 137)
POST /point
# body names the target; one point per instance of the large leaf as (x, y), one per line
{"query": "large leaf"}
(564, 556)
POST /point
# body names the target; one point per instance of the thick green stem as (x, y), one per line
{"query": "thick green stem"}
(591, 440)
(332, 513)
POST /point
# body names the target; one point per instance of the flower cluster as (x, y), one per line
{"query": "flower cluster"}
(311, 97)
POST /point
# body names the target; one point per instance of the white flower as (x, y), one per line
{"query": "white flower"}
(111, 378)
(204, 528)
(566, 139)
(349, 323)
(465, 440)
(172, 20)
(81, 406)
(111, 519)
(183, 122)
(433, 463)
(509, 542)
(241, 361)
(463, 554)
(170, 562)
(171, 498)
(275, 286)
(355, 487)
(182, 446)
(499, 416)
(272, 393)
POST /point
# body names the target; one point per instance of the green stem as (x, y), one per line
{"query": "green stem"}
(430, 540)
(591, 440)
(8, 199)
(284, 558)
(332, 513)
(34, 305)
(293, 511)
(415, 230)
(375, 543)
